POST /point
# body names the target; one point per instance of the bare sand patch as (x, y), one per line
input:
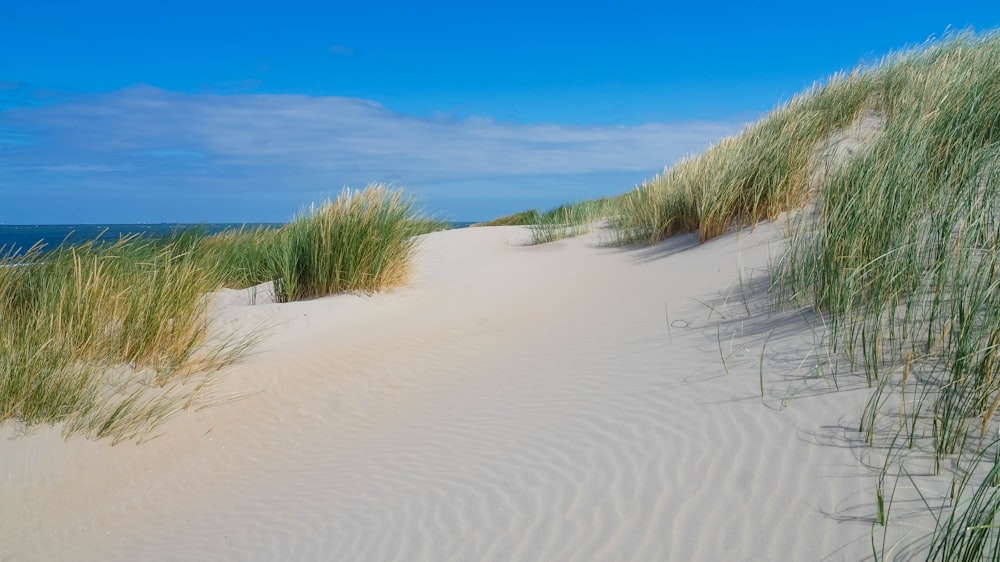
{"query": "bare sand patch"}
(559, 402)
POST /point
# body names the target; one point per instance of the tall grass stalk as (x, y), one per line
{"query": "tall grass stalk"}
(971, 532)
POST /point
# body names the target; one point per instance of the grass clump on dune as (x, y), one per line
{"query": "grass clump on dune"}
(568, 220)
(560, 222)
(903, 257)
(903, 253)
(898, 246)
(88, 331)
(108, 339)
(360, 241)
(748, 177)
(523, 218)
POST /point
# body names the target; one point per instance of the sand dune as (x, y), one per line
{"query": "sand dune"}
(559, 402)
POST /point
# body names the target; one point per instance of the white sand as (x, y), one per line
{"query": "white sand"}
(511, 403)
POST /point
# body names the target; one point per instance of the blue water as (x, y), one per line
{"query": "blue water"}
(15, 239)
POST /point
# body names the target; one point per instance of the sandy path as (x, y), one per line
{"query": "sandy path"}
(512, 403)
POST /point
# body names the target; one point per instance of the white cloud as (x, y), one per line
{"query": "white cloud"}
(310, 143)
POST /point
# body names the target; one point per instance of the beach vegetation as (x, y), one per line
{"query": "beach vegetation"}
(560, 222)
(359, 241)
(522, 218)
(891, 176)
(110, 338)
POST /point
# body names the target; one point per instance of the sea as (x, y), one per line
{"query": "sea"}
(18, 238)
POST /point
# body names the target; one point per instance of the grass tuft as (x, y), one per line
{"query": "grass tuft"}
(109, 339)
(893, 171)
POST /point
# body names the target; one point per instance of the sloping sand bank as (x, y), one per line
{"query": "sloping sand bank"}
(558, 402)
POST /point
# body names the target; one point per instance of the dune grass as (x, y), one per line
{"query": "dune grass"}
(748, 177)
(523, 218)
(566, 221)
(903, 258)
(89, 330)
(896, 245)
(109, 339)
(360, 241)
(559, 222)
(968, 532)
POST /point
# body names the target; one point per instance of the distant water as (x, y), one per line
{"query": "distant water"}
(15, 239)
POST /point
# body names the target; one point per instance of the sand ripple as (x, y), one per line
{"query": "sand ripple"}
(514, 403)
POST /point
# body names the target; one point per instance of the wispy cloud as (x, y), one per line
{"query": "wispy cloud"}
(341, 50)
(62, 168)
(274, 148)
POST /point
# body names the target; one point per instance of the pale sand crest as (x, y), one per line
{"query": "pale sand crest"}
(558, 402)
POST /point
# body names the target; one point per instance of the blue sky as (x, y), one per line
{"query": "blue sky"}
(205, 111)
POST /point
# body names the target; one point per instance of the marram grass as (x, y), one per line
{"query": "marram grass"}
(900, 252)
(567, 221)
(560, 222)
(897, 247)
(73, 316)
(904, 253)
(361, 241)
(108, 339)
(748, 177)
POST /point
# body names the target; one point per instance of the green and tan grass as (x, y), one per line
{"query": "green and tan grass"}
(567, 221)
(564, 221)
(108, 339)
(79, 319)
(898, 248)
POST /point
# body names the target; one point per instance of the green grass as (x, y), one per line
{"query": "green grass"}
(969, 532)
(567, 221)
(748, 177)
(560, 222)
(897, 247)
(523, 218)
(359, 242)
(88, 330)
(903, 256)
(108, 339)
